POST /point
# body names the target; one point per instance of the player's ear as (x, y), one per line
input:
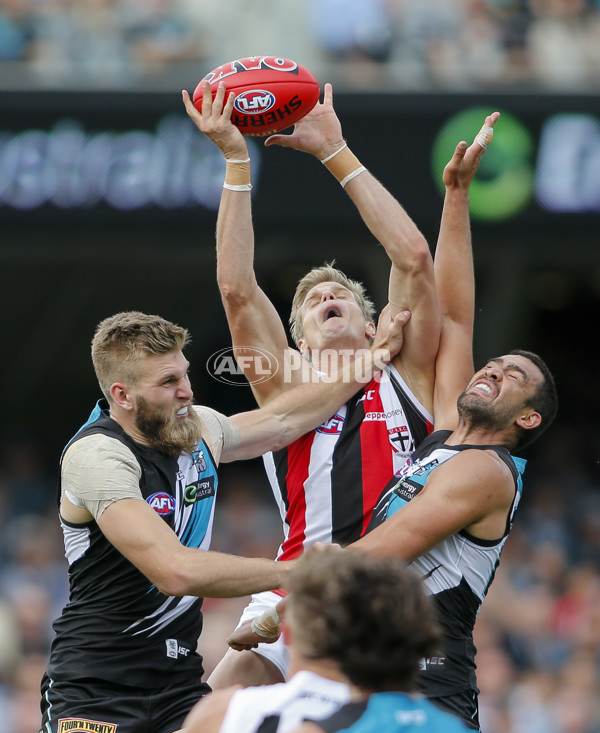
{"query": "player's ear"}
(370, 330)
(120, 395)
(303, 349)
(529, 419)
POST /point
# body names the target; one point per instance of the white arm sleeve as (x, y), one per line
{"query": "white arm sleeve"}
(98, 470)
(222, 433)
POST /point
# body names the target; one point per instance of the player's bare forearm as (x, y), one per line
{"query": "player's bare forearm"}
(226, 576)
(454, 270)
(453, 263)
(411, 281)
(235, 246)
(388, 221)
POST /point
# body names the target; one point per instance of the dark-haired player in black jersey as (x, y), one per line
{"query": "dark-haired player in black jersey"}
(137, 492)
(449, 510)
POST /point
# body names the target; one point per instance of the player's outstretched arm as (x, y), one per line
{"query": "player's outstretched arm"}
(177, 570)
(253, 320)
(411, 284)
(453, 500)
(454, 274)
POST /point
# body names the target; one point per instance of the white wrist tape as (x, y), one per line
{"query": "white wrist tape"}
(240, 187)
(343, 164)
(352, 175)
(329, 157)
(267, 624)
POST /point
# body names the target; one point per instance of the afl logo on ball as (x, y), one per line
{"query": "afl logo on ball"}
(254, 101)
(162, 503)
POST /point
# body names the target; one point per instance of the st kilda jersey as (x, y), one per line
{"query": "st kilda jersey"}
(327, 482)
(457, 572)
(116, 621)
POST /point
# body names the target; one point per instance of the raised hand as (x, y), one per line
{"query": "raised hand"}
(215, 121)
(461, 169)
(319, 133)
(390, 330)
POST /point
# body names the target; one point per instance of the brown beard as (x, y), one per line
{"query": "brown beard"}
(166, 433)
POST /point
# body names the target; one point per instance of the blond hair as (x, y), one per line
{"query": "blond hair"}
(120, 341)
(323, 274)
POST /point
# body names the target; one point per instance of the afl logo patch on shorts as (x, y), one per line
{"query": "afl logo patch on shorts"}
(162, 503)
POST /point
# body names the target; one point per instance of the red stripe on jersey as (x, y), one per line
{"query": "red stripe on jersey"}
(376, 453)
(298, 456)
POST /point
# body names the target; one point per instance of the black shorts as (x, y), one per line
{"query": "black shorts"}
(463, 705)
(97, 706)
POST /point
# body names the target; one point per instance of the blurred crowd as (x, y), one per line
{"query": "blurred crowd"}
(387, 45)
(538, 634)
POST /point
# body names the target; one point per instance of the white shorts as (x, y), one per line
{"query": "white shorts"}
(277, 652)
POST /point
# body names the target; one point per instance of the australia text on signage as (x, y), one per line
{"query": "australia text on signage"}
(171, 167)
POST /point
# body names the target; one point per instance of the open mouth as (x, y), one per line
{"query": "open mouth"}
(332, 312)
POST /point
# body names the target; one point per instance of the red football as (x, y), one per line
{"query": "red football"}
(271, 93)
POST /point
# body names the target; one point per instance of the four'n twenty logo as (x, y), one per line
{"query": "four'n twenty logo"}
(83, 725)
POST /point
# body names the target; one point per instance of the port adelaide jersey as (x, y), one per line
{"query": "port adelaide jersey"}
(116, 619)
(458, 571)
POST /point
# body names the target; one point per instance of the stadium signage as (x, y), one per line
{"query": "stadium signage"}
(173, 167)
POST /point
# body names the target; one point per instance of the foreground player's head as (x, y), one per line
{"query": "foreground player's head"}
(369, 616)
